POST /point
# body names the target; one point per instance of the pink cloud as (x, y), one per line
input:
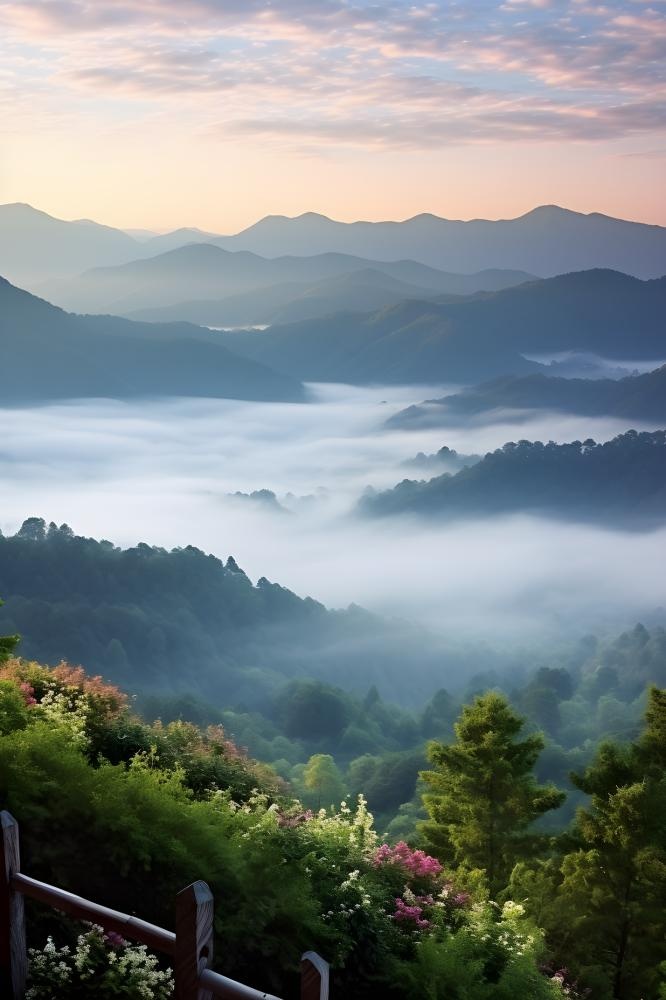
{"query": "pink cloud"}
(385, 75)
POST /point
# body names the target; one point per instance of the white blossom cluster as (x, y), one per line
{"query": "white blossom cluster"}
(68, 710)
(112, 970)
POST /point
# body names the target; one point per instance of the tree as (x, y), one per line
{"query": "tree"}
(7, 644)
(323, 780)
(33, 528)
(438, 715)
(312, 710)
(614, 882)
(484, 796)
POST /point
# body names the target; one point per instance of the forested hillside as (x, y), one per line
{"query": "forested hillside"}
(637, 397)
(482, 337)
(185, 621)
(622, 481)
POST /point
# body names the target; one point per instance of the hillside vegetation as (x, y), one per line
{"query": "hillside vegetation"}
(622, 481)
(481, 337)
(165, 805)
(57, 355)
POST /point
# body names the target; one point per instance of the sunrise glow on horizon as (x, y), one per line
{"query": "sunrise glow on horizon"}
(213, 114)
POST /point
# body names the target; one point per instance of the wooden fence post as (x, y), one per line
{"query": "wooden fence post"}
(194, 940)
(13, 951)
(314, 977)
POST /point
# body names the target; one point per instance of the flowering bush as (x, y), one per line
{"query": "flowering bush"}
(492, 955)
(102, 964)
(97, 790)
(416, 862)
(66, 697)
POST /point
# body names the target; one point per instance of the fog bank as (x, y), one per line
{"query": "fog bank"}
(161, 472)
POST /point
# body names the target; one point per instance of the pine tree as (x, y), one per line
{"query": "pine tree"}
(614, 883)
(484, 796)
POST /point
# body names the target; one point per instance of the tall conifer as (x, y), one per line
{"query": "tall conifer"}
(483, 795)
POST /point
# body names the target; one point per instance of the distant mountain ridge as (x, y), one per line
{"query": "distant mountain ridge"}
(472, 339)
(171, 285)
(364, 290)
(46, 354)
(548, 240)
(637, 397)
(35, 245)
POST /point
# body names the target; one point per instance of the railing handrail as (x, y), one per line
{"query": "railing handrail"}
(125, 924)
(229, 989)
(191, 946)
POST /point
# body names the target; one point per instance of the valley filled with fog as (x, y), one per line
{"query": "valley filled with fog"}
(167, 472)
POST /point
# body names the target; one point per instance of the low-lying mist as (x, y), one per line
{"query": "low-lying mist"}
(164, 472)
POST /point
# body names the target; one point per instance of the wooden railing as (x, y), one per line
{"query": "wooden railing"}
(190, 947)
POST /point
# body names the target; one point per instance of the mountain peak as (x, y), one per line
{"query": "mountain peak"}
(311, 217)
(21, 209)
(549, 212)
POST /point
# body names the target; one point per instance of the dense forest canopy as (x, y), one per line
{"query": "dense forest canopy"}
(185, 621)
(622, 481)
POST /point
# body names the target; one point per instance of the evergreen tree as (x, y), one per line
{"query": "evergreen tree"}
(614, 883)
(484, 796)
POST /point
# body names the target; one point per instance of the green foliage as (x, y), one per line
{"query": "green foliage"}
(284, 879)
(8, 644)
(493, 957)
(322, 781)
(602, 900)
(483, 795)
(182, 621)
(310, 709)
(621, 861)
(13, 708)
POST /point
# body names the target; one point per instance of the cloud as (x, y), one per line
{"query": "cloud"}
(364, 74)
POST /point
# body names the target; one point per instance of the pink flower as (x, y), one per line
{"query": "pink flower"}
(418, 863)
(404, 913)
(114, 940)
(28, 693)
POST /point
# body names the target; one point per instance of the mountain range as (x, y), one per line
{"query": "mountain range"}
(362, 290)
(216, 287)
(637, 397)
(472, 339)
(546, 241)
(549, 240)
(46, 353)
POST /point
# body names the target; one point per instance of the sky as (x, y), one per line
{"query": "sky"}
(214, 113)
